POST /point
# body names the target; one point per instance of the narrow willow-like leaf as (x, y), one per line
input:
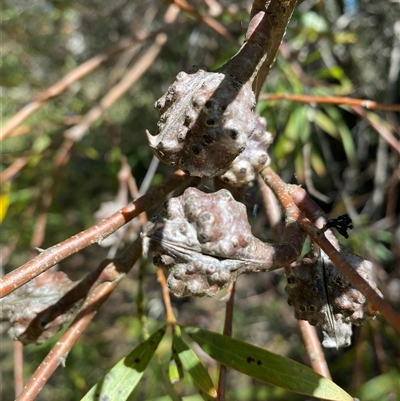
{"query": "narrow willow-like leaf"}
(194, 367)
(267, 366)
(344, 132)
(122, 379)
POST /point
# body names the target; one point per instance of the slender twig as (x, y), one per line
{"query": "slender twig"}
(75, 75)
(230, 297)
(138, 69)
(283, 193)
(207, 20)
(13, 169)
(94, 234)
(166, 297)
(379, 128)
(314, 349)
(18, 367)
(116, 270)
(339, 100)
(59, 87)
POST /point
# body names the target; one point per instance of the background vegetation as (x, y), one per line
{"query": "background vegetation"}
(337, 152)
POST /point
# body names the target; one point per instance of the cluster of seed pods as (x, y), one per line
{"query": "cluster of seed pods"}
(205, 121)
(204, 241)
(321, 294)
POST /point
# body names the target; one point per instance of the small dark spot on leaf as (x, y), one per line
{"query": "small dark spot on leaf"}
(250, 359)
(259, 363)
(137, 360)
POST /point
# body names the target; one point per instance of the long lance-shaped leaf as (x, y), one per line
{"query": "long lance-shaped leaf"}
(122, 379)
(194, 367)
(267, 366)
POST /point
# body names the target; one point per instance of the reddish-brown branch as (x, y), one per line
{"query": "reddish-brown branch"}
(207, 20)
(279, 13)
(18, 367)
(230, 297)
(379, 128)
(348, 101)
(309, 333)
(283, 193)
(166, 296)
(13, 169)
(103, 229)
(314, 349)
(116, 270)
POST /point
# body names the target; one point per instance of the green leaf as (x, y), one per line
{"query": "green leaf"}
(267, 366)
(344, 132)
(326, 123)
(122, 379)
(193, 366)
(384, 387)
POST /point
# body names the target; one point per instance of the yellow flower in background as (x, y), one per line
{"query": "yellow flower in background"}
(4, 199)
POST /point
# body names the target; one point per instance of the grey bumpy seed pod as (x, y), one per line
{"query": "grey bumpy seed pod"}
(321, 294)
(249, 163)
(205, 120)
(204, 241)
(189, 235)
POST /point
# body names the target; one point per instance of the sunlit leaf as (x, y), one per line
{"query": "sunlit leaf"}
(122, 379)
(193, 365)
(325, 123)
(314, 21)
(318, 163)
(267, 366)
